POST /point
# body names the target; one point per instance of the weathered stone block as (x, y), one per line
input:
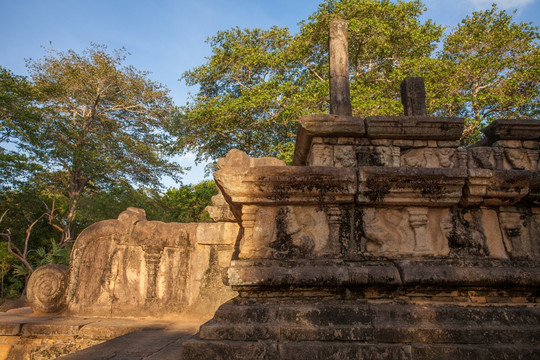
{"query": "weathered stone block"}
(413, 127)
(7, 329)
(212, 350)
(512, 129)
(323, 126)
(224, 233)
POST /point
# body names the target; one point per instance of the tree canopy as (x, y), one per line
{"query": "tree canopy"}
(258, 82)
(95, 123)
(491, 69)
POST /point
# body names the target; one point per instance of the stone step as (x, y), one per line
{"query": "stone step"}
(356, 313)
(392, 333)
(202, 350)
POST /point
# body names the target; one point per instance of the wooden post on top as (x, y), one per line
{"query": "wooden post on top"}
(340, 97)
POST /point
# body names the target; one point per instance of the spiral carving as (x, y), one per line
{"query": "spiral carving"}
(46, 288)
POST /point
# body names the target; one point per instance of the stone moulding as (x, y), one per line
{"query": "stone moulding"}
(410, 186)
(288, 185)
(428, 273)
(375, 185)
(506, 187)
(510, 129)
(323, 125)
(374, 127)
(414, 127)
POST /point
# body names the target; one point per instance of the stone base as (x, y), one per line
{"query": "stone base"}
(26, 335)
(367, 329)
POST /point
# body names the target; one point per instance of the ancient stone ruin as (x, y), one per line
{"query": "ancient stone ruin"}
(134, 267)
(384, 240)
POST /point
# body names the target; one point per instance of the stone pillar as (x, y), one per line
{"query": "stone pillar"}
(533, 158)
(462, 158)
(418, 220)
(334, 221)
(396, 156)
(247, 246)
(152, 257)
(413, 96)
(340, 97)
(498, 153)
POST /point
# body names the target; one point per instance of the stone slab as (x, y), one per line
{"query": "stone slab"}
(323, 125)
(410, 186)
(222, 233)
(496, 273)
(28, 335)
(287, 185)
(512, 129)
(414, 127)
(283, 273)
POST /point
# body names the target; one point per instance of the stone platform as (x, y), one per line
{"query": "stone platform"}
(385, 309)
(25, 335)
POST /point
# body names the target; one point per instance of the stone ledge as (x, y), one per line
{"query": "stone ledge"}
(288, 185)
(414, 127)
(195, 349)
(323, 125)
(247, 274)
(512, 129)
(24, 334)
(410, 186)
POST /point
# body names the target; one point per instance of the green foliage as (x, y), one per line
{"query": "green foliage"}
(99, 123)
(246, 95)
(55, 254)
(187, 203)
(16, 106)
(258, 82)
(109, 203)
(6, 268)
(103, 122)
(491, 69)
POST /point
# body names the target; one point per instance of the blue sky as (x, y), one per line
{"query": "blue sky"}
(167, 37)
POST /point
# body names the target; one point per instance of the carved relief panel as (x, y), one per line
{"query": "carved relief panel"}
(378, 156)
(344, 156)
(520, 232)
(430, 158)
(285, 232)
(400, 231)
(499, 158)
(321, 155)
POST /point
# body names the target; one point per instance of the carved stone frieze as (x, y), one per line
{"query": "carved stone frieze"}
(416, 231)
(321, 155)
(413, 127)
(344, 156)
(287, 232)
(286, 184)
(403, 186)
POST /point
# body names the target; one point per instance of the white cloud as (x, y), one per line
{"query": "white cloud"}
(503, 4)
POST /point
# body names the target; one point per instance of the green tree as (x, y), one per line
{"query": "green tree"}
(100, 123)
(188, 202)
(491, 69)
(258, 82)
(246, 95)
(17, 98)
(109, 203)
